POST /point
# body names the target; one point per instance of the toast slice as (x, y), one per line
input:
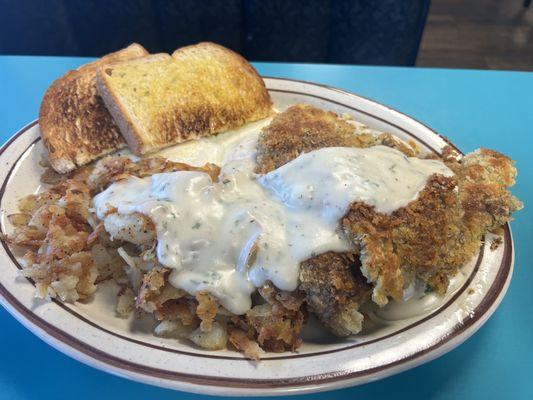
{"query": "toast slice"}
(75, 125)
(200, 90)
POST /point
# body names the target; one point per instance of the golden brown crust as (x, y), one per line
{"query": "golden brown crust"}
(75, 125)
(201, 90)
(300, 129)
(335, 288)
(416, 236)
(437, 233)
(429, 239)
(303, 128)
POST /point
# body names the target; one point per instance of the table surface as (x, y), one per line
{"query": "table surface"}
(492, 109)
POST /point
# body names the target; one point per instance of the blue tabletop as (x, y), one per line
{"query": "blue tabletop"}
(473, 108)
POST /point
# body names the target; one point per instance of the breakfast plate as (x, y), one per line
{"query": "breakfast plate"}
(396, 338)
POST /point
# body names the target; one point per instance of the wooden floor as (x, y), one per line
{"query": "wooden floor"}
(480, 34)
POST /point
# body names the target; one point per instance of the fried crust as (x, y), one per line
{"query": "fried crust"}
(430, 238)
(415, 236)
(439, 231)
(303, 128)
(335, 288)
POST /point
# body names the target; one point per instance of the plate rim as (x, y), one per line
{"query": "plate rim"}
(321, 383)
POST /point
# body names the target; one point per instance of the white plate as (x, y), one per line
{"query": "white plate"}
(90, 333)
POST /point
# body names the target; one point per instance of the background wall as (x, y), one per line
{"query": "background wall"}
(482, 34)
(385, 32)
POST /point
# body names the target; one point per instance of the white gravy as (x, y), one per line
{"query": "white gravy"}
(228, 237)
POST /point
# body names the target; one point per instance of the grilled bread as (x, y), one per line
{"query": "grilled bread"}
(75, 125)
(200, 90)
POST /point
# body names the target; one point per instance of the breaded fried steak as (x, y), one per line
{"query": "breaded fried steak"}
(432, 236)
(335, 288)
(437, 233)
(303, 128)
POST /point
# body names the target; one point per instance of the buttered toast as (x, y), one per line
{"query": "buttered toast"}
(75, 125)
(200, 90)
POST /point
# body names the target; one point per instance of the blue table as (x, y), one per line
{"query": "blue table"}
(473, 108)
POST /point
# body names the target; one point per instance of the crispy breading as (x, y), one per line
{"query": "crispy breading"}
(437, 233)
(335, 288)
(411, 239)
(303, 128)
(300, 129)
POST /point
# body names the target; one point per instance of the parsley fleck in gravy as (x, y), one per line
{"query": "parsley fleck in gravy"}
(228, 237)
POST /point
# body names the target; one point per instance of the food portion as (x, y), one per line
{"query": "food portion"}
(75, 125)
(224, 255)
(232, 239)
(69, 249)
(232, 235)
(334, 290)
(303, 128)
(434, 236)
(430, 237)
(200, 90)
(55, 228)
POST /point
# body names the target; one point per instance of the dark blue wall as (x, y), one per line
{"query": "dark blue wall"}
(385, 32)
